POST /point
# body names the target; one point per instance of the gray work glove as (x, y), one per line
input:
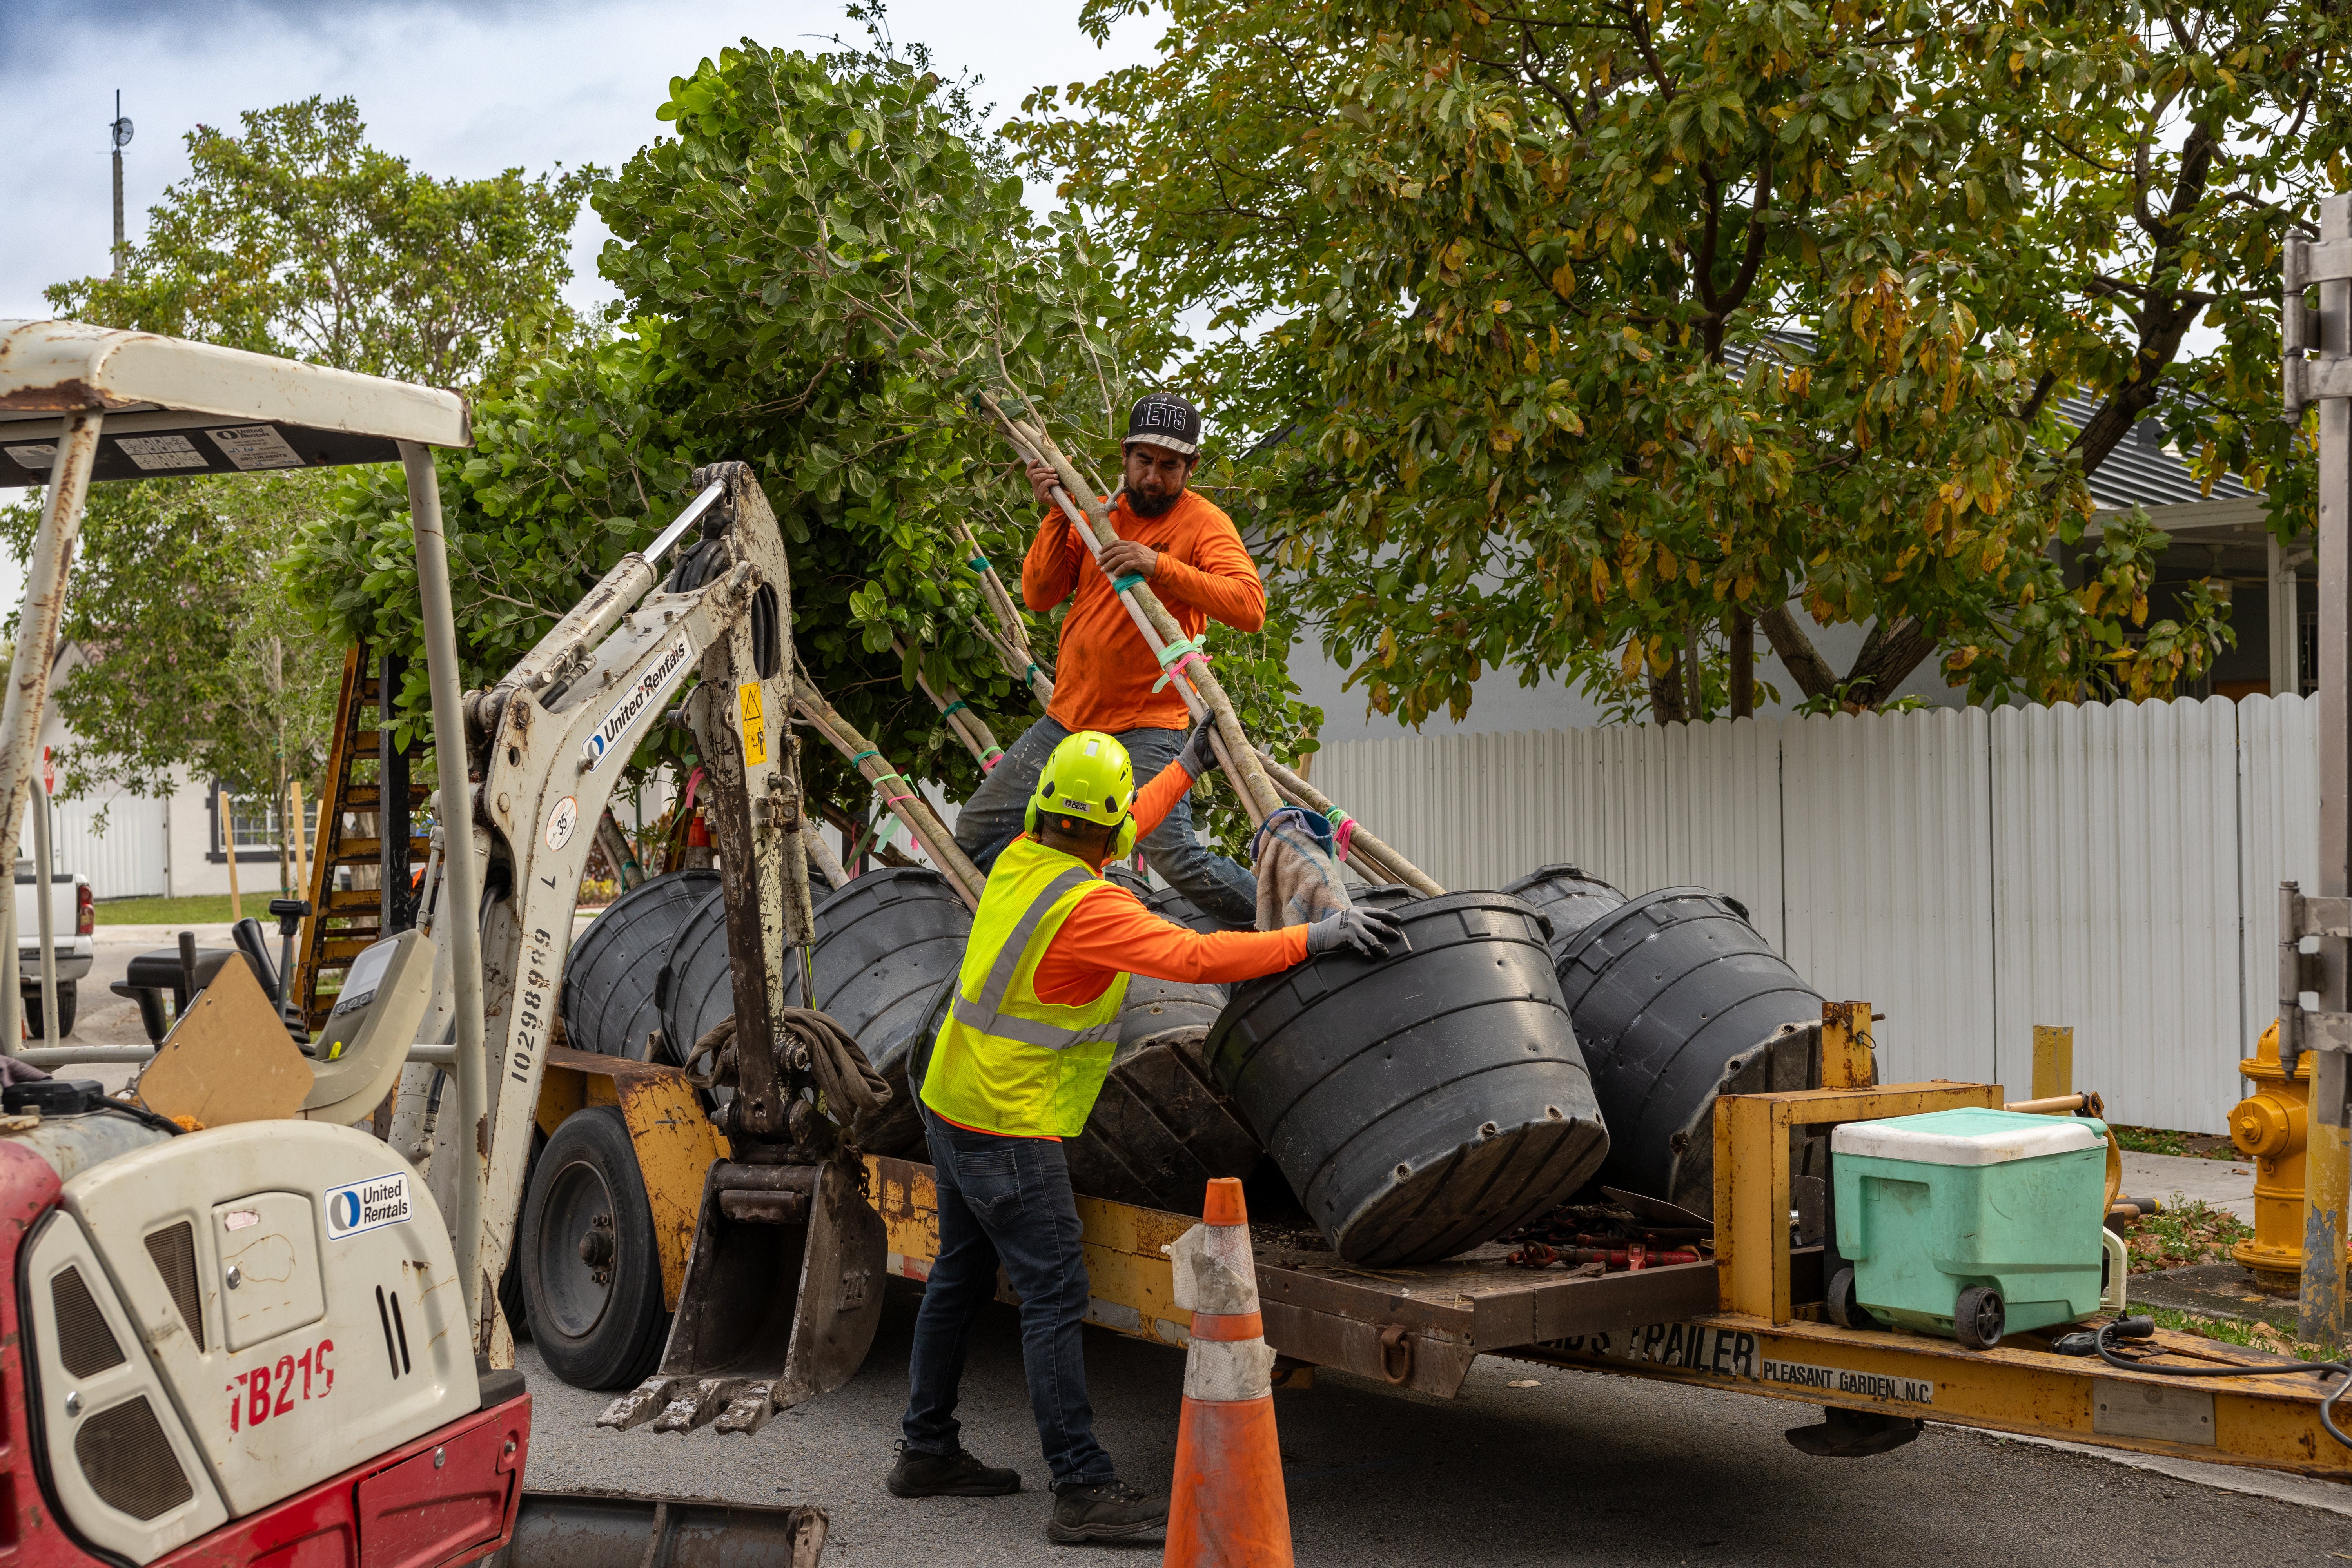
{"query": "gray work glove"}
(1368, 931)
(1199, 753)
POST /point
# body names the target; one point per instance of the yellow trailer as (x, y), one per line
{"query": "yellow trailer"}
(1750, 1320)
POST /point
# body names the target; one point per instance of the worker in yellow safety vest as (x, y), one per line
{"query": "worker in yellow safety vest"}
(1013, 1071)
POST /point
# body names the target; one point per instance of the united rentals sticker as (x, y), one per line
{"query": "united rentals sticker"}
(364, 1205)
(647, 693)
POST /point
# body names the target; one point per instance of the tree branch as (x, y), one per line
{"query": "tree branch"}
(1810, 671)
(1889, 656)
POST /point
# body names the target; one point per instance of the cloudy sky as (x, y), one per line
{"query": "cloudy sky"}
(459, 90)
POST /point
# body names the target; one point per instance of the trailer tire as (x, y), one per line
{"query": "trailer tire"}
(512, 1305)
(66, 999)
(592, 1274)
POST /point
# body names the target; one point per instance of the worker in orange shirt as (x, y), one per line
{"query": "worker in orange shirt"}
(1013, 1071)
(1188, 550)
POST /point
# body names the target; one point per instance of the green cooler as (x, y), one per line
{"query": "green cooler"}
(1971, 1223)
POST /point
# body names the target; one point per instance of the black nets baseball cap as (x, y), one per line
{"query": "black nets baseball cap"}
(1166, 420)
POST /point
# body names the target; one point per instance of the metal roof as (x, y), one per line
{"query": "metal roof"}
(2141, 471)
(174, 408)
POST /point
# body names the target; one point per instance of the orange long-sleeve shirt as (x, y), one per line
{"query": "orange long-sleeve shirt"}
(1112, 933)
(1104, 673)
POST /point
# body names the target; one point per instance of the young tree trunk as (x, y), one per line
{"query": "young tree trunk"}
(1743, 665)
(285, 814)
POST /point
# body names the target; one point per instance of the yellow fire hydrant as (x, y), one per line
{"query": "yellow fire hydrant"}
(2271, 1127)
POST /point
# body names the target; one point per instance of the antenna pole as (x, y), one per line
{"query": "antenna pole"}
(119, 132)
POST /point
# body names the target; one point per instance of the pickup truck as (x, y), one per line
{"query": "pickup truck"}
(70, 909)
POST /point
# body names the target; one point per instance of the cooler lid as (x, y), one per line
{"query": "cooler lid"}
(1972, 1136)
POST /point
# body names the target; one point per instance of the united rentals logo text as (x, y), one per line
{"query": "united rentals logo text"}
(646, 692)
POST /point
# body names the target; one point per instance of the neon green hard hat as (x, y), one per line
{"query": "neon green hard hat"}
(1088, 775)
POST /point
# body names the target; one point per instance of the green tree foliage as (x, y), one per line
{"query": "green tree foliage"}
(294, 239)
(818, 274)
(298, 238)
(1595, 330)
(190, 653)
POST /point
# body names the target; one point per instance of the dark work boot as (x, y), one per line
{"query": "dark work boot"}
(948, 1475)
(1112, 1511)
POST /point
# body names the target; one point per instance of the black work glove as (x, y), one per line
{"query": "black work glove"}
(1199, 753)
(1368, 931)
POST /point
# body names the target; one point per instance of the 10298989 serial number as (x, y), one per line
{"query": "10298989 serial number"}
(273, 1389)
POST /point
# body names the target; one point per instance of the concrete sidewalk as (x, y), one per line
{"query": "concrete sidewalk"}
(2225, 1184)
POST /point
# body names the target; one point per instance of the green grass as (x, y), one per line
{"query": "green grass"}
(207, 909)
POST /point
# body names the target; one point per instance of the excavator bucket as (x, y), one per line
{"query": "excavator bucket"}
(783, 1293)
(592, 1530)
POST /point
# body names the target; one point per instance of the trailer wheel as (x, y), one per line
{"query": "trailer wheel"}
(510, 1302)
(66, 1000)
(1978, 1318)
(591, 1277)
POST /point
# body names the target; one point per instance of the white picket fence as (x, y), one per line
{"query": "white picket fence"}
(1973, 873)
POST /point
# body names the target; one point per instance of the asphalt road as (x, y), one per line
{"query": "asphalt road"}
(1580, 1468)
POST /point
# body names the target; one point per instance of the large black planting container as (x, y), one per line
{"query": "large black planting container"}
(1171, 905)
(1677, 1000)
(1423, 1103)
(609, 1003)
(1161, 1128)
(884, 941)
(1570, 898)
(1390, 896)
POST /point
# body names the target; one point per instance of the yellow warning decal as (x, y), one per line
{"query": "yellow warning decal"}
(755, 728)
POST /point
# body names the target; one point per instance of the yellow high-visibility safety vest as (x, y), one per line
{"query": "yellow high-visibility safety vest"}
(1005, 1062)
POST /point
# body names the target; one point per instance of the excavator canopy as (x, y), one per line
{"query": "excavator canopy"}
(174, 408)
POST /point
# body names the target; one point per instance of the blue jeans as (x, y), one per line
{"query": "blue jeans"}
(992, 818)
(1005, 1200)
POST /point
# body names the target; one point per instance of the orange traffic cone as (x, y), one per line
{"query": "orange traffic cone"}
(1227, 1508)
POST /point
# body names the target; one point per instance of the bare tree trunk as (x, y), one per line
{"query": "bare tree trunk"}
(1889, 656)
(1666, 694)
(1743, 665)
(1810, 671)
(1695, 676)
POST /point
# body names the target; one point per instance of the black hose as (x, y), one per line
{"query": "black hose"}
(2142, 1327)
(140, 1113)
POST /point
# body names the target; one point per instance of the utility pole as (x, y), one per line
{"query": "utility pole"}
(2324, 379)
(120, 131)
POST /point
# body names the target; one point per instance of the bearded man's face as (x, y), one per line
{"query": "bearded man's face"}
(1155, 478)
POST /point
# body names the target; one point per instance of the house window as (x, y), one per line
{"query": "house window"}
(254, 819)
(254, 823)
